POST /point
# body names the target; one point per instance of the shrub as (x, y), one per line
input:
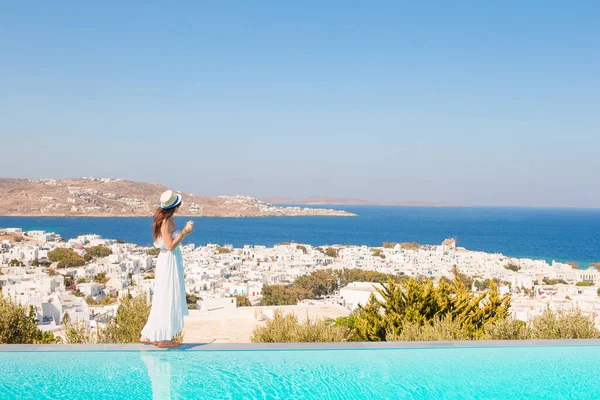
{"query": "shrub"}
(19, 326)
(573, 265)
(506, 329)
(129, 321)
(389, 245)
(548, 281)
(444, 329)
(584, 284)
(303, 248)
(564, 325)
(79, 333)
(284, 328)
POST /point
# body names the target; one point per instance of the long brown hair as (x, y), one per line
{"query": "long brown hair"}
(159, 217)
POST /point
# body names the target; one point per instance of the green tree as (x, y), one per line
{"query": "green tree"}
(66, 258)
(331, 252)
(242, 301)
(512, 267)
(15, 263)
(101, 278)
(319, 283)
(153, 252)
(191, 300)
(279, 295)
(69, 281)
(410, 245)
(98, 251)
(346, 276)
(18, 325)
(223, 250)
(421, 303)
(378, 253)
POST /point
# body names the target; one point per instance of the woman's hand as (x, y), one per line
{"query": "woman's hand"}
(189, 228)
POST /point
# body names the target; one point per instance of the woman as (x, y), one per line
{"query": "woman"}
(168, 304)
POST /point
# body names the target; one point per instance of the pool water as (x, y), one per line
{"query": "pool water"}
(449, 373)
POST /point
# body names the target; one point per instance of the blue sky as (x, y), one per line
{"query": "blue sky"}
(462, 102)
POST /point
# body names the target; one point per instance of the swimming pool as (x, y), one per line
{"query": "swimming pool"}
(306, 372)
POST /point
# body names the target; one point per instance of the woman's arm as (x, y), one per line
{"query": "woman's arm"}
(170, 242)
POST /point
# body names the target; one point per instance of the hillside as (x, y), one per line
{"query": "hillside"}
(118, 197)
(321, 200)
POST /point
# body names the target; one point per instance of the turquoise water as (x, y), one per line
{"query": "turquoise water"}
(459, 373)
(541, 233)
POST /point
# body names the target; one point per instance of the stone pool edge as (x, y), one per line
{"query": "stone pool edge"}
(303, 346)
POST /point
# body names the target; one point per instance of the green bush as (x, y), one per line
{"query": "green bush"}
(19, 326)
(564, 325)
(506, 329)
(243, 301)
(79, 333)
(284, 328)
(128, 323)
(584, 284)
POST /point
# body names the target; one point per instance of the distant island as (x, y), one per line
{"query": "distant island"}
(107, 197)
(321, 200)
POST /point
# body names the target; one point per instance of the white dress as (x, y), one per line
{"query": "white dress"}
(169, 305)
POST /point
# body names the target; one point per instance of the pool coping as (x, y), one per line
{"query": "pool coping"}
(302, 346)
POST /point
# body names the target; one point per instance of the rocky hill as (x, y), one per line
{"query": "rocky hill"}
(118, 197)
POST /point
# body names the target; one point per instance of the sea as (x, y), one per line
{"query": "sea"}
(536, 233)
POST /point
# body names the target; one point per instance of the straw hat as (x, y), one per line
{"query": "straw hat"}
(169, 199)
